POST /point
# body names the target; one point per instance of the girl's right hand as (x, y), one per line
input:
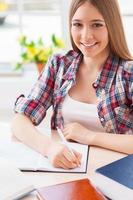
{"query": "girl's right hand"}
(61, 157)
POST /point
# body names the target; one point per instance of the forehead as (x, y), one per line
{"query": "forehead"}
(87, 11)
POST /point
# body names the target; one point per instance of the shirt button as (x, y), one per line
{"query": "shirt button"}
(94, 85)
(102, 119)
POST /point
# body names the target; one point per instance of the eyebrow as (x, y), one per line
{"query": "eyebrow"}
(94, 20)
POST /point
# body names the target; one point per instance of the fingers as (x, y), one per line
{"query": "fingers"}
(66, 164)
(78, 156)
(62, 156)
(67, 160)
(65, 130)
(73, 157)
(67, 137)
(66, 134)
(68, 131)
(60, 164)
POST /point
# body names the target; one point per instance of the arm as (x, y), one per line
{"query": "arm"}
(57, 153)
(117, 142)
(25, 131)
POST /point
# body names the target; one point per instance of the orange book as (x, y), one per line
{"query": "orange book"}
(74, 190)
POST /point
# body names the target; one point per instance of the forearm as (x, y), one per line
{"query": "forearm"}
(26, 132)
(117, 142)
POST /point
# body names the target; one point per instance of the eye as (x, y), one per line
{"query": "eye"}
(76, 24)
(97, 25)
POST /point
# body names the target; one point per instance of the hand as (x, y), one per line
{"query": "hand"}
(77, 132)
(60, 156)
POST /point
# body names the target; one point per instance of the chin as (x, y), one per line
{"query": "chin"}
(94, 54)
(90, 55)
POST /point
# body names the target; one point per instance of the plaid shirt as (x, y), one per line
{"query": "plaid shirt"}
(114, 89)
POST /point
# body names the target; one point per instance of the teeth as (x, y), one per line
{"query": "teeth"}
(88, 45)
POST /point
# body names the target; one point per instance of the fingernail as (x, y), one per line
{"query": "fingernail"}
(74, 165)
(79, 163)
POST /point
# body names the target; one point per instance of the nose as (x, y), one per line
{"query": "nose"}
(87, 33)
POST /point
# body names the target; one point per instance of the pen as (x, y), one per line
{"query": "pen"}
(64, 140)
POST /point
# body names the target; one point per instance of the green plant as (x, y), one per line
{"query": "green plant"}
(36, 51)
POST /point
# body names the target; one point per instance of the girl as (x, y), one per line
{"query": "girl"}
(90, 88)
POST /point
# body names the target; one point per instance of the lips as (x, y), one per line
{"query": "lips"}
(89, 44)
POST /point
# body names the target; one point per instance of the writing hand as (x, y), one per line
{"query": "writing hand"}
(60, 156)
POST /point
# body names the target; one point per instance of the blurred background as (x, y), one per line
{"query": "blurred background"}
(35, 19)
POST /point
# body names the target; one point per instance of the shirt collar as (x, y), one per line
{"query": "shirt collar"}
(108, 72)
(72, 69)
(106, 76)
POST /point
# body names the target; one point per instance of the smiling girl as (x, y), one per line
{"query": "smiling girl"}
(89, 87)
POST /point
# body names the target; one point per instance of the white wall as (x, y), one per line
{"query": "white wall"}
(64, 21)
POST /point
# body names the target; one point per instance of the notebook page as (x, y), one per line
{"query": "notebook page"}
(27, 159)
(83, 149)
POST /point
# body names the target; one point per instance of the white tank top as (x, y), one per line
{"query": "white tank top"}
(83, 113)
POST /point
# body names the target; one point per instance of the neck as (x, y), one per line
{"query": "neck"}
(95, 63)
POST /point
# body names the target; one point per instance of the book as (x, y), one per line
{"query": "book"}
(115, 179)
(13, 183)
(74, 190)
(26, 159)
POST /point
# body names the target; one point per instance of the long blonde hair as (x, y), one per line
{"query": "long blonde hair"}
(110, 11)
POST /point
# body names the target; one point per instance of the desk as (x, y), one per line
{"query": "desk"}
(97, 158)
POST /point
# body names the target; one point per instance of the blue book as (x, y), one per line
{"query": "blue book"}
(115, 180)
(120, 171)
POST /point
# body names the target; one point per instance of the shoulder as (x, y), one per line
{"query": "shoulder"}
(126, 70)
(63, 58)
(127, 67)
(60, 61)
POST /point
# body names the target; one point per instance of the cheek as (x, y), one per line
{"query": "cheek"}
(75, 39)
(104, 36)
(74, 34)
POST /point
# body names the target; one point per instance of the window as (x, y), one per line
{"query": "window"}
(42, 18)
(127, 14)
(31, 17)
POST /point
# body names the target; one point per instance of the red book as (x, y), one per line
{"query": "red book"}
(74, 190)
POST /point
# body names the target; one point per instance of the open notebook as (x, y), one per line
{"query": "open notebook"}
(27, 159)
(13, 183)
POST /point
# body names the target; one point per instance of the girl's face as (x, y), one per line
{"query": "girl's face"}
(89, 32)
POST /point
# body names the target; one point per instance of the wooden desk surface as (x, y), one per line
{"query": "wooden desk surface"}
(97, 158)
